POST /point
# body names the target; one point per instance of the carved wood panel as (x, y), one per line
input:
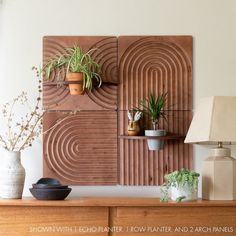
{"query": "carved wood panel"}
(81, 149)
(155, 64)
(84, 149)
(57, 97)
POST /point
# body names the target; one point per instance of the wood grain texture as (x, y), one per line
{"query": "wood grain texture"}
(154, 65)
(134, 216)
(141, 65)
(59, 98)
(174, 221)
(115, 202)
(81, 149)
(51, 221)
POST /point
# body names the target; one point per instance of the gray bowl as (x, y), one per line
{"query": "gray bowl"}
(45, 186)
(48, 181)
(50, 194)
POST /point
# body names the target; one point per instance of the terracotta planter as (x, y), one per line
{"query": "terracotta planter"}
(77, 88)
(12, 177)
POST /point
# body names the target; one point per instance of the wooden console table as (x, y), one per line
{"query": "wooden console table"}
(116, 216)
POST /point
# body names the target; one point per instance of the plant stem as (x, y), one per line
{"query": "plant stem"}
(30, 134)
(57, 123)
(154, 125)
(60, 121)
(4, 143)
(9, 122)
(27, 124)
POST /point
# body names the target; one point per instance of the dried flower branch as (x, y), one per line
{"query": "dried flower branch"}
(21, 131)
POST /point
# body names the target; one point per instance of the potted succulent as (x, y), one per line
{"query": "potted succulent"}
(80, 69)
(153, 106)
(183, 185)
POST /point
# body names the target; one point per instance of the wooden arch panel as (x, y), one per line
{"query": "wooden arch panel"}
(155, 64)
(81, 150)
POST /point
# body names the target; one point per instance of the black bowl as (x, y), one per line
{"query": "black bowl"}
(45, 186)
(50, 194)
(48, 181)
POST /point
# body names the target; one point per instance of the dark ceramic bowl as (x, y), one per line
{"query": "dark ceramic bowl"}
(48, 181)
(50, 194)
(45, 186)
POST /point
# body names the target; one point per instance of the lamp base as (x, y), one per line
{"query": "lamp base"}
(219, 176)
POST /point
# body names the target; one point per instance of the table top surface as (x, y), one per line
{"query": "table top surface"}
(113, 202)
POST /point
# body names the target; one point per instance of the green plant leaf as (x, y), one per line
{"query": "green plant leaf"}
(75, 60)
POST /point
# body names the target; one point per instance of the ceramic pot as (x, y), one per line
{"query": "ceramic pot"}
(155, 144)
(187, 191)
(12, 176)
(133, 128)
(75, 89)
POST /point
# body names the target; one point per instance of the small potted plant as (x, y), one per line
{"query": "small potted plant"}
(153, 106)
(183, 185)
(80, 69)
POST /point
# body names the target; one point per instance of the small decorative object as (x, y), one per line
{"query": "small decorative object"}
(183, 185)
(20, 133)
(79, 67)
(133, 126)
(214, 123)
(154, 108)
(49, 189)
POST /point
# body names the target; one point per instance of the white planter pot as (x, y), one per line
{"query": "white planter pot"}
(12, 176)
(188, 192)
(154, 144)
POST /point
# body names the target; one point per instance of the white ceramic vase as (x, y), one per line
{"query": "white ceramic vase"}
(186, 191)
(12, 176)
(155, 144)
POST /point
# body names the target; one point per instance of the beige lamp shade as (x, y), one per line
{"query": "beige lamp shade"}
(213, 121)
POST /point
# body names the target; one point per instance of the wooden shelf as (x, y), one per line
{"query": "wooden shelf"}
(169, 136)
(65, 83)
(113, 202)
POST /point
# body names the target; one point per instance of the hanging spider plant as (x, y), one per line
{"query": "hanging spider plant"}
(79, 66)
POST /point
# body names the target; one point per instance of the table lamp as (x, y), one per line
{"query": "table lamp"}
(214, 122)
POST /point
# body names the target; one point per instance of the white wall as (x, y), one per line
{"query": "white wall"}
(23, 23)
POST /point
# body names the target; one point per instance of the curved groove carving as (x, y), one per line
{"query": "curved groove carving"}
(174, 67)
(83, 148)
(105, 55)
(53, 95)
(154, 65)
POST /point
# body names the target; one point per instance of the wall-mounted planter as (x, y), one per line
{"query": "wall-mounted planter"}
(155, 144)
(75, 83)
(132, 67)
